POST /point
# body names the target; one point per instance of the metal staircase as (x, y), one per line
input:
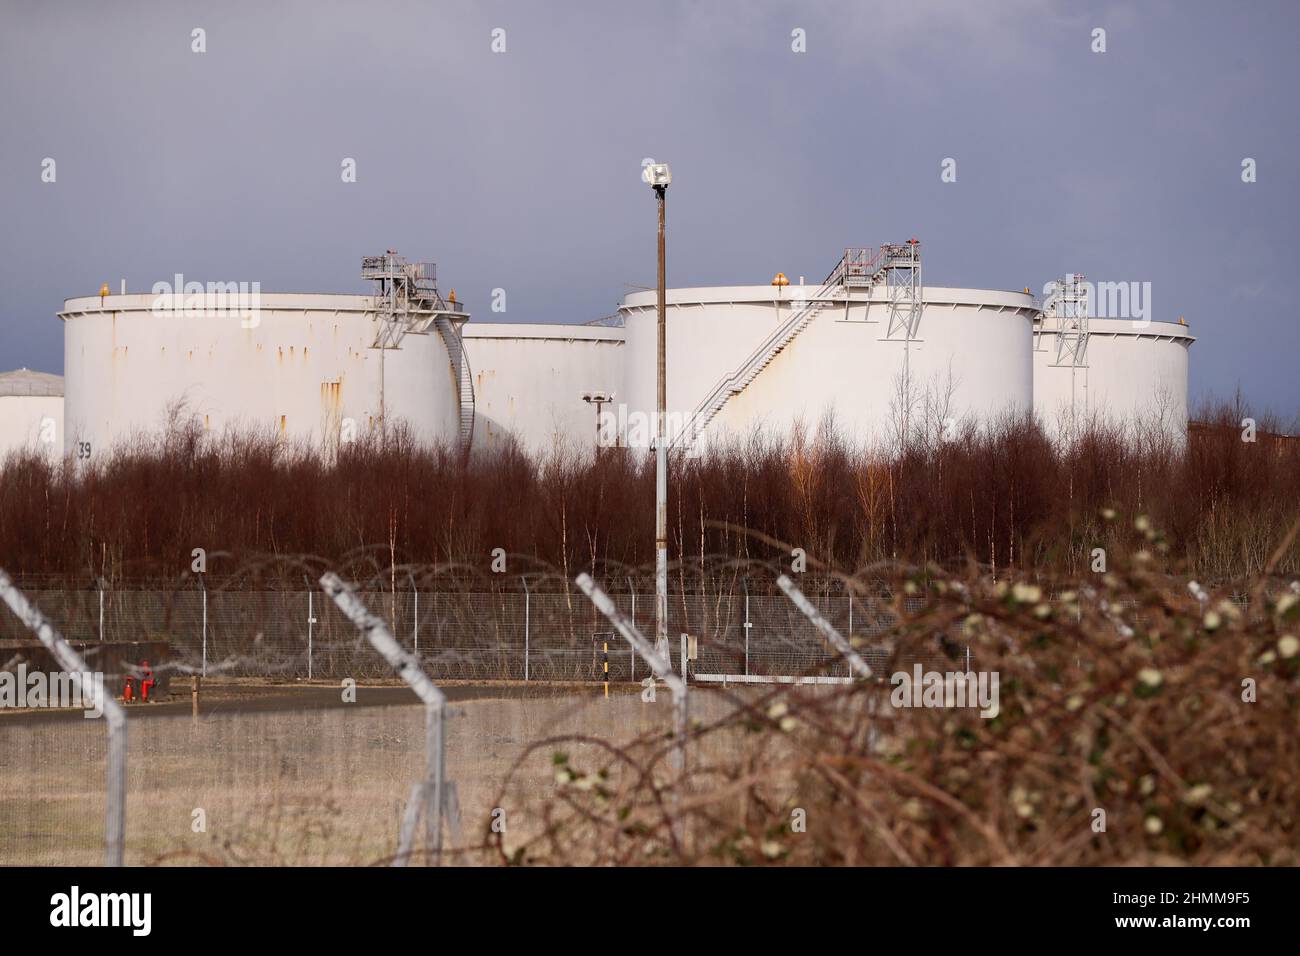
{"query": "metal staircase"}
(857, 269)
(758, 360)
(1066, 312)
(1068, 307)
(407, 302)
(464, 377)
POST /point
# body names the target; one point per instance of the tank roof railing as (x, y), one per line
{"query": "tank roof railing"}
(864, 266)
(393, 266)
(414, 281)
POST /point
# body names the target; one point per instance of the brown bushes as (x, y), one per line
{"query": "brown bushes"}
(1133, 727)
(1002, 496)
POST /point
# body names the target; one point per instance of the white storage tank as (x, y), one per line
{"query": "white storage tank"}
(31, 412)
(542, 386)
(967, 358)
(1131, 375)
(302, 366)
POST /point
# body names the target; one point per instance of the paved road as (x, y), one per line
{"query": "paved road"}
(231, 698)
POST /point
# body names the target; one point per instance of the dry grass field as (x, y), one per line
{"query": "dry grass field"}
(324, 785)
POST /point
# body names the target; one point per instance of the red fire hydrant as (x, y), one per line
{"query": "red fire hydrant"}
(128, 689)
(147, 683)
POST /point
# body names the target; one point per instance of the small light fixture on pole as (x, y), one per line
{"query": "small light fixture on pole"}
(658, 176)
(599, 399)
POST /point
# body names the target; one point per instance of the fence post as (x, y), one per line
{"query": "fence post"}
(204, 590)
(848, 592)
(527, 611)
(428, 797)
(827, 629)
(661, 666)
(631, 586)
(114, 715)
(101, 610)
(748, 624)
(311, 619)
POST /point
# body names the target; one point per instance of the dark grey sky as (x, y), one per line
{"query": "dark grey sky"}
(520, 170)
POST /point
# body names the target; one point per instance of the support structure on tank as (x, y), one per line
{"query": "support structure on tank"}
(407, 302)
(1066, 309)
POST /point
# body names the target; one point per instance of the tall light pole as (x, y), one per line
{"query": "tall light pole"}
(658, 175)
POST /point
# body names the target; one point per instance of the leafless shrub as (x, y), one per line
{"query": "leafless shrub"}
(1000, 494)
(1135, 726)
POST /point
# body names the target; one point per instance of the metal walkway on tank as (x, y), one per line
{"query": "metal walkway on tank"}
(407, 302)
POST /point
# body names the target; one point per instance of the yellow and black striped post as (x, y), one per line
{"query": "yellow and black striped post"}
(605, 655)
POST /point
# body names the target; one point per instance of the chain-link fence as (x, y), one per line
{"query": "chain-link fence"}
(323, 782)
(469, 635)
(311, 775)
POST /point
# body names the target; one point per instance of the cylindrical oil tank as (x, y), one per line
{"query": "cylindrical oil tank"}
(299, 365)
(542, 386)
(31, 412)
(1131, 375)
(968, 358)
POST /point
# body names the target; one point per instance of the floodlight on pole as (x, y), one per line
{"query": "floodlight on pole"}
(658, 176)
